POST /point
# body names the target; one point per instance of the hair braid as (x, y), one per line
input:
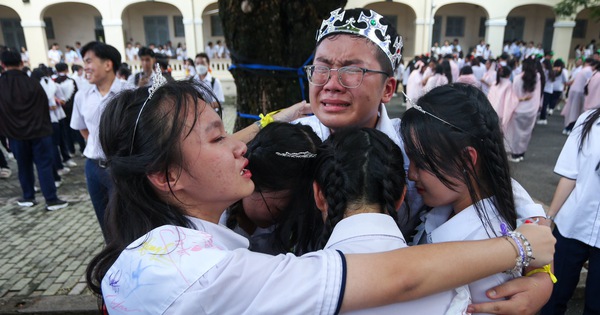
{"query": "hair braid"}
(495, 170)
(334, 194)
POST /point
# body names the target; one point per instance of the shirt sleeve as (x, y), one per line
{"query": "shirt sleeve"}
(252, 283)
(567, 164)
(218, 90)
(524, 204)
(77, 121)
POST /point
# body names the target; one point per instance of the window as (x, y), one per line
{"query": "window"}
(49, 28)
(455, 26)
(482, 21)
(215, 26)
(580, 29)
(178, 26)
(98, 23)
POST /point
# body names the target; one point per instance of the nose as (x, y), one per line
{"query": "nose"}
(412, 172)
(333, 83)
(239, 149)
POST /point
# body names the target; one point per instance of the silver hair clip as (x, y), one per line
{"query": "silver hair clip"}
(419, 108)
(297, 155)
(158, 80)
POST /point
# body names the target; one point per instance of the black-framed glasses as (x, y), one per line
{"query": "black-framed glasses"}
(349, 76)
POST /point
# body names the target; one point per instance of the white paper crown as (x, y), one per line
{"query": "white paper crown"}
(373, 24)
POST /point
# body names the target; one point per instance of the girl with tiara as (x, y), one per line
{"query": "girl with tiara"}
(279, 216)
(459, 165)
(359, 183)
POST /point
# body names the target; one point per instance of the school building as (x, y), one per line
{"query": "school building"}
(36, 24)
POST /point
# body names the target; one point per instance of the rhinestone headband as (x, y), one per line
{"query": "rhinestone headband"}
(158, 80)
(420, 109)
(366, 26)
(297, 155)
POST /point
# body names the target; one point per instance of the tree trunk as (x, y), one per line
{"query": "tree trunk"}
(270, 33)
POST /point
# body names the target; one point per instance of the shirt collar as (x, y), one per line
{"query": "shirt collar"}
(364, 224)
(441, 229)
(221, 234)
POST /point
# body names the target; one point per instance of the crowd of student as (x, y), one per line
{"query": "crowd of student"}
(299, 200)
(60, 88)
(522, 90)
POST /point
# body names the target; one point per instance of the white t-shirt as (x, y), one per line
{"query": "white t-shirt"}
(209, 270)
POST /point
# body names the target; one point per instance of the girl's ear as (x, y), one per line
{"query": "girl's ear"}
(164, 182)
(320, 200)
(473, 154)
(400, 200)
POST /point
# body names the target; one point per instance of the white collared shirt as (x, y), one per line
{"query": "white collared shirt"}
(209, 270)
(377, 232)
(579, 217)
(217, 88)
(87, 110)
(466, 225)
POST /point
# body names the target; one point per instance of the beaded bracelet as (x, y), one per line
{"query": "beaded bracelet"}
(528, 250)
(524, 250)
(517, 270)
(266, 119)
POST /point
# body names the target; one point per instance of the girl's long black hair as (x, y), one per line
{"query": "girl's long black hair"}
(441, 149)
(134, 208)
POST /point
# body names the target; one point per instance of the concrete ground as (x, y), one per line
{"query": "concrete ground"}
(44, 254)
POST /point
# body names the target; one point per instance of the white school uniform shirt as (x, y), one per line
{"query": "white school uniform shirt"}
(209, 270)
(88, 106)
(52, 90)
(579, 217)
(465, 225)
(217, 88)
(560, 80)
(377, 232)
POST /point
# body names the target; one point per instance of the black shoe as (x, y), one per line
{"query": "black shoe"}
(27, 202)
(56, 204)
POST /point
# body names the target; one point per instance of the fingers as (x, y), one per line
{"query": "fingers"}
(525, 295)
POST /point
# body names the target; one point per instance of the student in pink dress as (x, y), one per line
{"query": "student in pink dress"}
(520, 117)
(501, 94)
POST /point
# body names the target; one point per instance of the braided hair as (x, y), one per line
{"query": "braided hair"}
(440, 149)
(359, 167)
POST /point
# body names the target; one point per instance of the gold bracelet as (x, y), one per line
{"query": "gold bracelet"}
(545, 269)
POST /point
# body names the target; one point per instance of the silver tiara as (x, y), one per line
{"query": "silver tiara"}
(158, 80)
(297, 155)
(372, 23)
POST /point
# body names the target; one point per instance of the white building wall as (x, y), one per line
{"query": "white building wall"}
(123, 19)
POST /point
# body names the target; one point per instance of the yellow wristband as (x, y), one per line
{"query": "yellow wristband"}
(267, 119)
(545, 269)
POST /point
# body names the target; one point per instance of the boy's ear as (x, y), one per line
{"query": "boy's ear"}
(320, 199)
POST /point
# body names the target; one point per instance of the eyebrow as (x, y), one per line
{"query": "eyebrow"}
(344, 63)
(213, 125)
